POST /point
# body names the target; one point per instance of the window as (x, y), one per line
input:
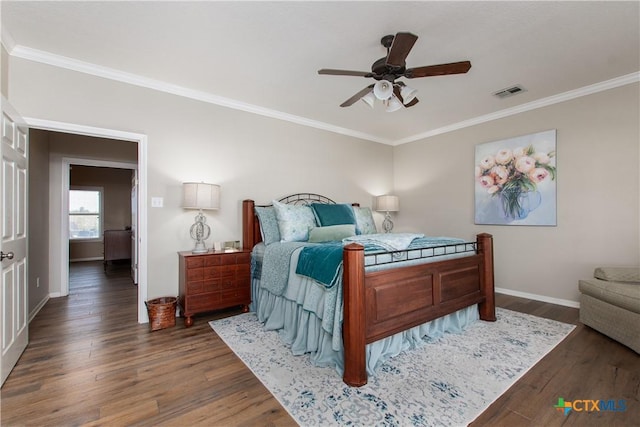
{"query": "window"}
(85, 213)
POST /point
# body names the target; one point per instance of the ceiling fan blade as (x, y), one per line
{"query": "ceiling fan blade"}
(438, 70)
(396, 92)
(413, 102)
(345, 72)
(400, 48)
(357, 96)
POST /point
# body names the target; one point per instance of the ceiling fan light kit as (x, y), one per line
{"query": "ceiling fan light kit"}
(369, 99)
(383, 90)
(408, 93)
(395, 94)
(393, 104)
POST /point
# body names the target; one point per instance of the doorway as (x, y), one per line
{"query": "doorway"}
(58, 197)
(102, 220)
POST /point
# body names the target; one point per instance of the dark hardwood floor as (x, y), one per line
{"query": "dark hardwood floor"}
(90, 363)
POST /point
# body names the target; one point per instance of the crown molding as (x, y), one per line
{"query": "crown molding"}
(43, 57)
(544, 102)
(56, 126)
(48, 58)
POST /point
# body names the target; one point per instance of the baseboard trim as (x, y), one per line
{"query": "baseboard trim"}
(37, 308)
(535, 297)
(95, 258)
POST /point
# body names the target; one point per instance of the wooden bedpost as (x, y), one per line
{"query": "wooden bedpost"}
(353, 325)
(487, 308)
(248, 220)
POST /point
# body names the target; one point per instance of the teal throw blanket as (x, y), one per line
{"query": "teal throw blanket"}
(321, 262)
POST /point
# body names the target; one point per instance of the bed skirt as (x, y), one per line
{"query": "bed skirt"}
(302, 330)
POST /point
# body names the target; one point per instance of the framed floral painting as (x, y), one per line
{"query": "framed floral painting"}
(515, 180)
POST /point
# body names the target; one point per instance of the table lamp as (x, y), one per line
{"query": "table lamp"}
(387, 204)
(201, 196)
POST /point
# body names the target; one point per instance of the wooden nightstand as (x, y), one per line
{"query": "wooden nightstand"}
(213, 281)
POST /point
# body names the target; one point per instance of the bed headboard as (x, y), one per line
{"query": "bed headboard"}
(251, 235)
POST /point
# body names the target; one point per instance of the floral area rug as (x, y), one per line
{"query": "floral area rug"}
(447, 382)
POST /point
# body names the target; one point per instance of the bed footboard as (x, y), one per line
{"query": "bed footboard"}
(382, 303)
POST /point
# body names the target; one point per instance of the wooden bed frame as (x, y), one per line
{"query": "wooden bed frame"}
(382, 303)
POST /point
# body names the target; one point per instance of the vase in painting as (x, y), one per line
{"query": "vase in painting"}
(518, 205)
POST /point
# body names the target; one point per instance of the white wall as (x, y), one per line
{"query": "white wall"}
(38, 221)
(598, 193)
(250, 156)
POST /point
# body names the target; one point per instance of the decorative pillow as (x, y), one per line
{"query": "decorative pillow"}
(268, 224)
(294, 221)
(333, 214)
(364, 221)
(331, 233)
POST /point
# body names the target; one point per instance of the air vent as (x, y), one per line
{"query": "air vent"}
(510, 91)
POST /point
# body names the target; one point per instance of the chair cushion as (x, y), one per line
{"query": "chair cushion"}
(618, 274)
(623, 295)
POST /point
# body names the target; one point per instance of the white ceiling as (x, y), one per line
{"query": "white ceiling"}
(264, 56)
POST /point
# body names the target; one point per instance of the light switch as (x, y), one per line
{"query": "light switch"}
(157, 202)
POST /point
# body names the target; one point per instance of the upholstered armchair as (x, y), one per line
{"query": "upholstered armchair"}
(610, 304)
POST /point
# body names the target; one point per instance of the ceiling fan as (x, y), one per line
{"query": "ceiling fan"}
(386, 70)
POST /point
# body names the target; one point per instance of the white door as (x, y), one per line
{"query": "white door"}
(134, 226)
(14, 328)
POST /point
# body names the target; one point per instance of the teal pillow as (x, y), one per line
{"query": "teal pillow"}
(294, 221)
(268, 224)
(333, 214)
(331, 233)
(364, 221)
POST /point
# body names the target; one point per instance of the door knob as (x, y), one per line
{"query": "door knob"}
(8, 255)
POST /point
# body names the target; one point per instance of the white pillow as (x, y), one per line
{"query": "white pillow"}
(364, 220)
(294, 221)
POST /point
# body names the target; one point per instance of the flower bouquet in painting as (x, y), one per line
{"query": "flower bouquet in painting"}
(511, 176)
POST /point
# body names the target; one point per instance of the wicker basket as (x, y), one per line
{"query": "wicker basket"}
(162, 312)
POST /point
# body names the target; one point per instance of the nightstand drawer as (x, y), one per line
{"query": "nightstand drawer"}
(239, 296)
(194, 262)
(195, 287)
(211, 261)
(195, 274)
(203, 301)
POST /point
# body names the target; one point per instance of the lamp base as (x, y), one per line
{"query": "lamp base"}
(200, 251)
(387, 224)
(199, 232)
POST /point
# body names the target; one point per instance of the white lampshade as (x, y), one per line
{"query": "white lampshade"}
(200, 195)
(393, 104)
(369, 99)
(387, 203)
(408, 94)
(383, 89)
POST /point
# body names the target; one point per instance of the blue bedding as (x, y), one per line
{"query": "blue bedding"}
(308, 315)
(274, 276)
